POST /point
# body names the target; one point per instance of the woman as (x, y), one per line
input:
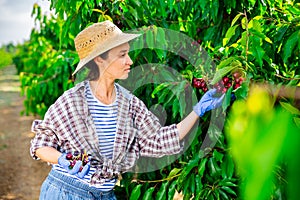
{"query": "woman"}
(101, 119)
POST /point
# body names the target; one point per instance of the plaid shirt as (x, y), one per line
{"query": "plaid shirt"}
(68, 127)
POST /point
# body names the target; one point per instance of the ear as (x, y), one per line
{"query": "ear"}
(98, 60)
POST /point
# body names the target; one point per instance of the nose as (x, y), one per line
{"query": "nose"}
(129, 61)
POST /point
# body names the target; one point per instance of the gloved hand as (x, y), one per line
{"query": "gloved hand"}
(77, 169)
(208, 102)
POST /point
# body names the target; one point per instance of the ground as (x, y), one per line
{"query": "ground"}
(21, 176)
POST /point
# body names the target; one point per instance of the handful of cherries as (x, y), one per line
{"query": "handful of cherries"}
(73, 158)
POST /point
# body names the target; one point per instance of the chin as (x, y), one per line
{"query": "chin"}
(123, 77)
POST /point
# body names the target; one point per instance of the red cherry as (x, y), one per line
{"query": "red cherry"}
(224, 90)
(236, 75)
(194, 80)
(237, 81)
(228, 85)
(85, 162)
(69, 156)
(236, 86)
(197, 85)
(225, 80)
(241, 79)
(219, 89)
(205, 89)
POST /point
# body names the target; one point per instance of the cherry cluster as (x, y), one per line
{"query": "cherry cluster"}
(200, 83)
(73, 158)
(226, 82)
(223, 85)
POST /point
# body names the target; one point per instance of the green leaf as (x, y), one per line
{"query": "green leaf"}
(226, 62)
(242, 92)
(290, 45)
(162, 193)
(218, 156)
(257, 51)
(297, 121)
(236, 18)
(159, 88)
(186, 170)
(171, 190)
(223, 195)
(228, 183)
(293, 110)
(198, 183)
(228, 167)
(212, 167)
(174, 172)
(244, 22)
(228, 190)
(149, 39)
(252, 2)
(148, 193)
(260, 35)
(227, 99)
(230, 32)
(160, 38)
(201, 167)
(136, 192)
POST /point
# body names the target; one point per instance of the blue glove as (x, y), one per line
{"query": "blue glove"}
(208, 102)
(76, 170)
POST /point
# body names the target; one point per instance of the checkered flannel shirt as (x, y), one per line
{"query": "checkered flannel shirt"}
(68, 127)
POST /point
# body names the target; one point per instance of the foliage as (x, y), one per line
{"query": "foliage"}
(262, 137)
(6, 57)
(260, 39)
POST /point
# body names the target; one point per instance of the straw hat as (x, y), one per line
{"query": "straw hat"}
(97, 39)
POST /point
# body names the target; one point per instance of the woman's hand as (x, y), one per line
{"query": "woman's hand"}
(77, 169)
(208, 102)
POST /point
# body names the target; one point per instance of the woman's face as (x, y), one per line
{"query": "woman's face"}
(117, 64)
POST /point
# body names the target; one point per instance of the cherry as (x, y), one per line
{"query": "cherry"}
(236, 86)
(219, 88)
(199, 83)
(236, 75)
(228, 85)
(73, 158)
(225, 79)
(85, 162)
(69, 156)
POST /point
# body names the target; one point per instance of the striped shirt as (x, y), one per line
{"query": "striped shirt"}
(105, 120)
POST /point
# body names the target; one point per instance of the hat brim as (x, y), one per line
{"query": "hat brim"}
(107, 45)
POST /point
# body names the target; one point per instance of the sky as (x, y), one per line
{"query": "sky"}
(16, 22)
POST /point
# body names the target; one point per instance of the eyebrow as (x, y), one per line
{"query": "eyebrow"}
(123, 51)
